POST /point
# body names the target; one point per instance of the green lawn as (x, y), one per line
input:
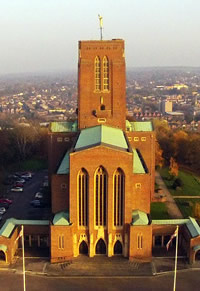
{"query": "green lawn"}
(191, 187)
(159, 211)
(191, 183)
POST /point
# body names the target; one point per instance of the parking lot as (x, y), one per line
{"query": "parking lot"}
(21, 207)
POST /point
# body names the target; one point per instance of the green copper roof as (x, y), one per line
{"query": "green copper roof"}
(139, 218)
(101, 134)
(61, 218)
(10, 224)
(64, 166)
(170, 221)
(139, 126)
(137, 164)
(67, 126)
(7, 228)
(193, 227)
(3, 248)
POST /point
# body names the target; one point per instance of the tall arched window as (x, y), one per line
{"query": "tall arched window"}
(97, 65)
(119, 182)
(105, 74)
(101, 196)
(83, 197)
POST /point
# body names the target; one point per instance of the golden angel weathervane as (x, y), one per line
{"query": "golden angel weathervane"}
(101, 26)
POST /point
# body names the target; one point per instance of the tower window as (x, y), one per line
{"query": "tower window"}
(83, 197)
(139, 241)
(105, 74)
(100, 196)
(97, 65)
(119, 197)
(61, 241)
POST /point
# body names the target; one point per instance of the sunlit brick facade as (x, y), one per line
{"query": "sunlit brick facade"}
(110, 172)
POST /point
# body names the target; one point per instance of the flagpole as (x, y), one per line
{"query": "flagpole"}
(176, 255)
(24, 278)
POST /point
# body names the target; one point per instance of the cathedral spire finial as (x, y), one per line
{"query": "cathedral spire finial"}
(101, 26)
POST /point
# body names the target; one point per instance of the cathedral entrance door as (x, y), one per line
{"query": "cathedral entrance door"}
(2, 256)
(101, 247)
(83, 248)
(118, 248)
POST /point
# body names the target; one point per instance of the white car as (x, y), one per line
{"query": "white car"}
(17, 189)
(22, 181)
(38, 195)
(2, 210)
(26, 175)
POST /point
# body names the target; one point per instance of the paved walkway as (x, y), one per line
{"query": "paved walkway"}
(172, 208)
(187, 197)
(99, 267)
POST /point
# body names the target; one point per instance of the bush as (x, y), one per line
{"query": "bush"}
(177, 183)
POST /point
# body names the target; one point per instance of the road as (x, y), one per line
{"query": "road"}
(185, 281)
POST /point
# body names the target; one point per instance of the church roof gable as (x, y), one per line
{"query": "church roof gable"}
(61, 218)
(101, 134)
(139, 218)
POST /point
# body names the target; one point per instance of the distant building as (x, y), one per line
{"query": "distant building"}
(166, 106)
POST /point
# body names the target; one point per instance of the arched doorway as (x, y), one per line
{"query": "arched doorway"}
(118, 248)
(101, 247)
(83, 248)
(2, 256)
(197, 256)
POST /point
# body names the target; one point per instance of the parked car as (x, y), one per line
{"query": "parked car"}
(5, 200)
(38, 195)
(26, 175)
(5, 205)
(22, 181)
(17, 189)
(37, 203)
(13, 177)
(45, 184)
(18, 184)
(2, 209)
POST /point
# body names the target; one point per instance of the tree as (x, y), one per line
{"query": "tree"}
(159, 160)
(173, 168)
(25, 140)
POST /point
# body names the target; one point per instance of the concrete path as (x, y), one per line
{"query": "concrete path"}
(187, 197)
(172, 208)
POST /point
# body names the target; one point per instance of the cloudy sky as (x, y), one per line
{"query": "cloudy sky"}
(42, 35)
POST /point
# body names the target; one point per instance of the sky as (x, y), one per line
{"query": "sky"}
(43, 35)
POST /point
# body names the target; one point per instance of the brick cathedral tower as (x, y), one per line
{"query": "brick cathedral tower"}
(101, 84)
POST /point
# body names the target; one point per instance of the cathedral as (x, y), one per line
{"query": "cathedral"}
(102, 175)
(101, 166)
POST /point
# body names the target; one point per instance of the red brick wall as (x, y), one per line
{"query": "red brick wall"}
(58, 254)
(145, 252)
(57, 150)
(59, 194)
